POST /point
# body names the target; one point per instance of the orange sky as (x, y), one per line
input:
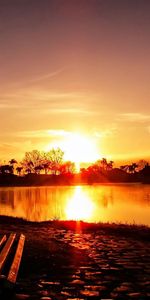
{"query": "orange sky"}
(75, 66)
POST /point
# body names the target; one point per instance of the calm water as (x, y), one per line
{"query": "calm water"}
(126, 203)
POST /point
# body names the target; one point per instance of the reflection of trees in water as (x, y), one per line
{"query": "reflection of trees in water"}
(107, 199)
(34, 205)
(102, 196)
(44, 203)
(7, 198)
(147, 198)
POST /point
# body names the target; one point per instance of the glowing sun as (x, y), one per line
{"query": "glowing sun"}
(79, 148)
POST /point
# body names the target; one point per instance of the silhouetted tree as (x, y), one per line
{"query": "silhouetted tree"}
(4, 169)
(55, 158)
(141, 164)
(19, 170)
(38, 169)
(132, 168)
(67, 167)
(28, 171)
(12, 163)
(32, 159)
(104, 163)
(46, 167)
(124, 168)
(110, 165)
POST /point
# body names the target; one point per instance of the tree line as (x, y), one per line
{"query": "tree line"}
(52, 162)
(38, 162)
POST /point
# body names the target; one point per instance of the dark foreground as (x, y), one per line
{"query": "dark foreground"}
(69, 260)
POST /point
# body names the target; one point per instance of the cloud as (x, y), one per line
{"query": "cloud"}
(70, 110)
(134, 117)
(27, 101)
(42, 133)
(106, 132)
(46, 76)
(35, 79)
(40, 97)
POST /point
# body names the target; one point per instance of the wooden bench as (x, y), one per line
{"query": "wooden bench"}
(5, 249)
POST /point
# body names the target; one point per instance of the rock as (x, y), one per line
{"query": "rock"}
(43, 293)
(22, 296)
(89, 293)
(50, 282)
(77, 281)
(65, 293)
(75, 299)
(135, 295)
(95, 287)
(122, 288)
(46, 298)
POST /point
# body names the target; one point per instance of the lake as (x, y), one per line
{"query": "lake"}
(125, 203)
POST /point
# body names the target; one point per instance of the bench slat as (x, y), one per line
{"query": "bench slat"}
(3, 239)
(17, 259)
(6, 249)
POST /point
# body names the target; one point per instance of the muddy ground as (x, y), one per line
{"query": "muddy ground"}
(75, 260)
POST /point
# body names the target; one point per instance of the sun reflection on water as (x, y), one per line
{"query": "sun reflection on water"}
(80, 206)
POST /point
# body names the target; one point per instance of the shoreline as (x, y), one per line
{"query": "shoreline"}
(135, 231)
(73, 184)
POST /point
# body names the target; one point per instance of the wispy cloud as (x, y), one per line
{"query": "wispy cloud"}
(46, 76)
(111, 131)
(42, 133)
(71, 110)
(134, 117)
(48, 102)
(40, 97)
(33, 79)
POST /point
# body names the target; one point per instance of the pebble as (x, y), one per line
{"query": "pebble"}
(95, 287)
(77, 281)
(22, 296)
(89, 293)
(43, 293)
(46, 298)
(134, 295)
(50, 282)
(122, 288)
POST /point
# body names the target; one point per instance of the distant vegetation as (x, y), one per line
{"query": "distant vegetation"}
(47, 168)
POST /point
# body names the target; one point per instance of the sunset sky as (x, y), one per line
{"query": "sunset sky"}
(75, 68)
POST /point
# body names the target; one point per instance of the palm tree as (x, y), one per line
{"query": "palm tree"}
(12, 163)
(18, 170)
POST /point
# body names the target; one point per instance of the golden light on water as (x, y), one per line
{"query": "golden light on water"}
(80, 206)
